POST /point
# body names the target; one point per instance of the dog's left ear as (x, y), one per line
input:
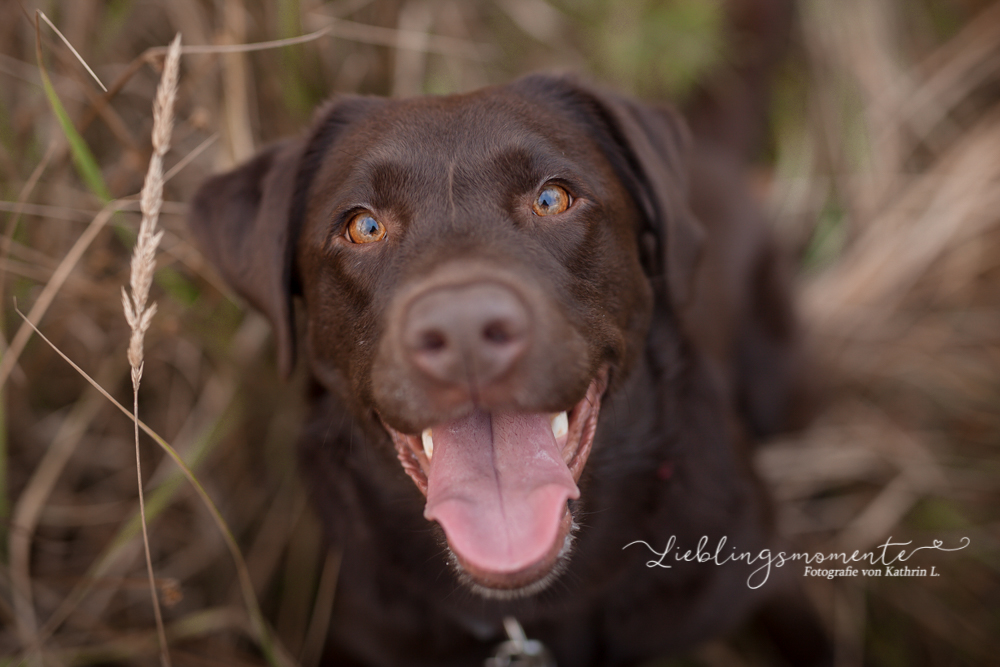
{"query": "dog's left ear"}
(655, 142)
(648, 146)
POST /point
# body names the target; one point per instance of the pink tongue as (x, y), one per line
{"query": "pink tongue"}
(498, 486)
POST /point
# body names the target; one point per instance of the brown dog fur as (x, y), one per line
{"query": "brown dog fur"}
(686, 310)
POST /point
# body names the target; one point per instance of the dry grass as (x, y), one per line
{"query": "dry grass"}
(138, 315)
(885, 176)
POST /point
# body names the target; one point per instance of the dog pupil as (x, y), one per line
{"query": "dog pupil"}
(369, 227)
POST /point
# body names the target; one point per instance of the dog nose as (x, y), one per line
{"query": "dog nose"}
(469, 334)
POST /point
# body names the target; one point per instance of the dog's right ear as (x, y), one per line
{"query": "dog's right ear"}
(247, 220)
(242, 222)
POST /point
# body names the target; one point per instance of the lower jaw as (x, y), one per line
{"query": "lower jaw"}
(524, 583)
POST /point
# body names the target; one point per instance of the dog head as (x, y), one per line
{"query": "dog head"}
(477, 270)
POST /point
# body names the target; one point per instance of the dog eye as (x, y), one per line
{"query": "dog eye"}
(552, 200)
(363, 228)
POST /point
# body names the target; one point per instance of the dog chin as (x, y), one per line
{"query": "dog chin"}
(545, 578)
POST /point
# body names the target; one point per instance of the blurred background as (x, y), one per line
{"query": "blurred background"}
(881, 172)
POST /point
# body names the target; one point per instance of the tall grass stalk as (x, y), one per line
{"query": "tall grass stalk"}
(275, 654)
(138, 312)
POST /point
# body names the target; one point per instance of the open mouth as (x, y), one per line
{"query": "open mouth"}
(499, 483)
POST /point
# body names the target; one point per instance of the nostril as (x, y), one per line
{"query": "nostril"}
(432, 341)
(497, 332)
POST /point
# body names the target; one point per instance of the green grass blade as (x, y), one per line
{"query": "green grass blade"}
(83, 158)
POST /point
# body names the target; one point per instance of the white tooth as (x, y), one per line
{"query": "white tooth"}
(428, 441)
(560, 424)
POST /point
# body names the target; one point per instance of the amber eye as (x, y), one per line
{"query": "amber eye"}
(552, 200)
(363, 228)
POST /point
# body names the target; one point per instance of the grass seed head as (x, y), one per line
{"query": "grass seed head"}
(137, 313)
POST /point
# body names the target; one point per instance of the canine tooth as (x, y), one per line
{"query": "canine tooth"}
(560, 424)
(428, 441)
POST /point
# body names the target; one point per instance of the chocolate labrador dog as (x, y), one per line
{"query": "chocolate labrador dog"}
(541, 326)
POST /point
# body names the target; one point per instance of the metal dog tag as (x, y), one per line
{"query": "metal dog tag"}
(518, 650)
